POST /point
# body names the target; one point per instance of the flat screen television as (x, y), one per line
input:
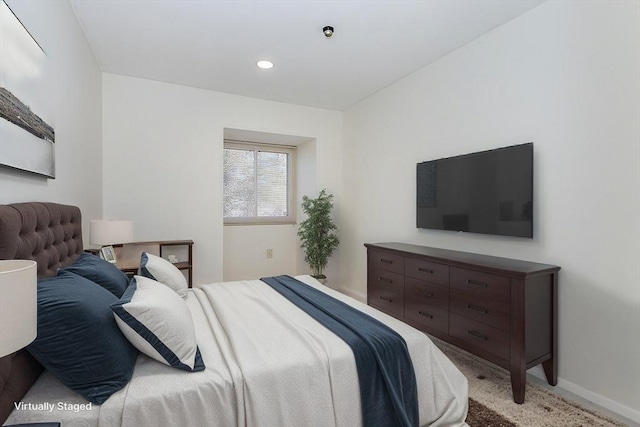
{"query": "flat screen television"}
(489, 192)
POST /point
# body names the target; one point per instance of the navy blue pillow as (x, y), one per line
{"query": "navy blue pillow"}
(78, 339)
(101, 272)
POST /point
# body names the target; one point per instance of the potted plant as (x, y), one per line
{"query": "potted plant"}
(317, 233)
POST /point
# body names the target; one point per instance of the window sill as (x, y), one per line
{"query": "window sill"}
(234, 224)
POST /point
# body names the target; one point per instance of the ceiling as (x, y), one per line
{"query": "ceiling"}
(215, 44)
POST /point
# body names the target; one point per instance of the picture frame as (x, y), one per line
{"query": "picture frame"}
(108, 254)
(27, 135)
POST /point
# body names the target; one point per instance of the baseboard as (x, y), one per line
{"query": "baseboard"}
(353, 294)
(589, 396)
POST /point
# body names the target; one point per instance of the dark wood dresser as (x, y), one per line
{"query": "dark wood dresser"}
(502, 310)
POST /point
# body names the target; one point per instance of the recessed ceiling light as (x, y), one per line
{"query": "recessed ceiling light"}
(265, 65)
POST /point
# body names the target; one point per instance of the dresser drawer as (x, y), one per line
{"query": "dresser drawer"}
(483, 285)
(386, 280)
(426, 270)
(488, 311)
(485, 337)
(427, 315)
(385, 261)
(426, 293)
(386, 299)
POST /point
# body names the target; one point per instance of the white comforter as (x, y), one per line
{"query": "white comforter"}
(267, 364)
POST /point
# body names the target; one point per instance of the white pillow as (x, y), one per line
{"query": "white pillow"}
(161, 270)
(158, 323)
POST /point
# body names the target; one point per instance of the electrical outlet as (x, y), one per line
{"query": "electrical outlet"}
(269, 253)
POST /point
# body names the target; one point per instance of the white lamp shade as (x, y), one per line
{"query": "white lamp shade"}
(18, 304)
(110, 232)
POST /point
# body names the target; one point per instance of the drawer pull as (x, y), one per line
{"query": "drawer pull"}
(423, 292)
(386, 299)
(480, 309)
(430, 316)
(384, 279)
(477, 335)
(425, 270)
(386, 261)
(476, 283)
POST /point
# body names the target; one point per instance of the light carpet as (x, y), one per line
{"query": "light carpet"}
(491, 401)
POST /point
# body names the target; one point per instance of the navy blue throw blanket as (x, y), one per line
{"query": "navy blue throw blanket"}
(388, 390)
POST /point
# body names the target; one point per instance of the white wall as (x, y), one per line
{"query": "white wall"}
(245, 246)
(163, 162)
(565, 76)
(245, 250)
(76, 83)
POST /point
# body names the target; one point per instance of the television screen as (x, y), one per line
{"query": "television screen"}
(488, 192)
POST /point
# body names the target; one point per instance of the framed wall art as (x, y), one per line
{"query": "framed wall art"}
(27, 138)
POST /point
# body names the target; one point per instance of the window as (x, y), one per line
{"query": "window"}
(258, 183)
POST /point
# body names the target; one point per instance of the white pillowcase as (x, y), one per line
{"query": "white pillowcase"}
(158, 323)
(161, 270)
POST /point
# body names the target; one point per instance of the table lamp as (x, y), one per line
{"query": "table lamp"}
(108, 232)
(18, 304)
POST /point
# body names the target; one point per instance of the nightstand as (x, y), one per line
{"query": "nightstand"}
(178, 252)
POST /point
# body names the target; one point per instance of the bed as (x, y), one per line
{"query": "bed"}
(268, 363)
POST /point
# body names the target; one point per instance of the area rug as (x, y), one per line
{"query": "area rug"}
(491, 403)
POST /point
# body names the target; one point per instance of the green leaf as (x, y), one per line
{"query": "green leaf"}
(316, 232)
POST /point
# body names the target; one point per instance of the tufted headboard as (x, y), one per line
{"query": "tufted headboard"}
(50, 234)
